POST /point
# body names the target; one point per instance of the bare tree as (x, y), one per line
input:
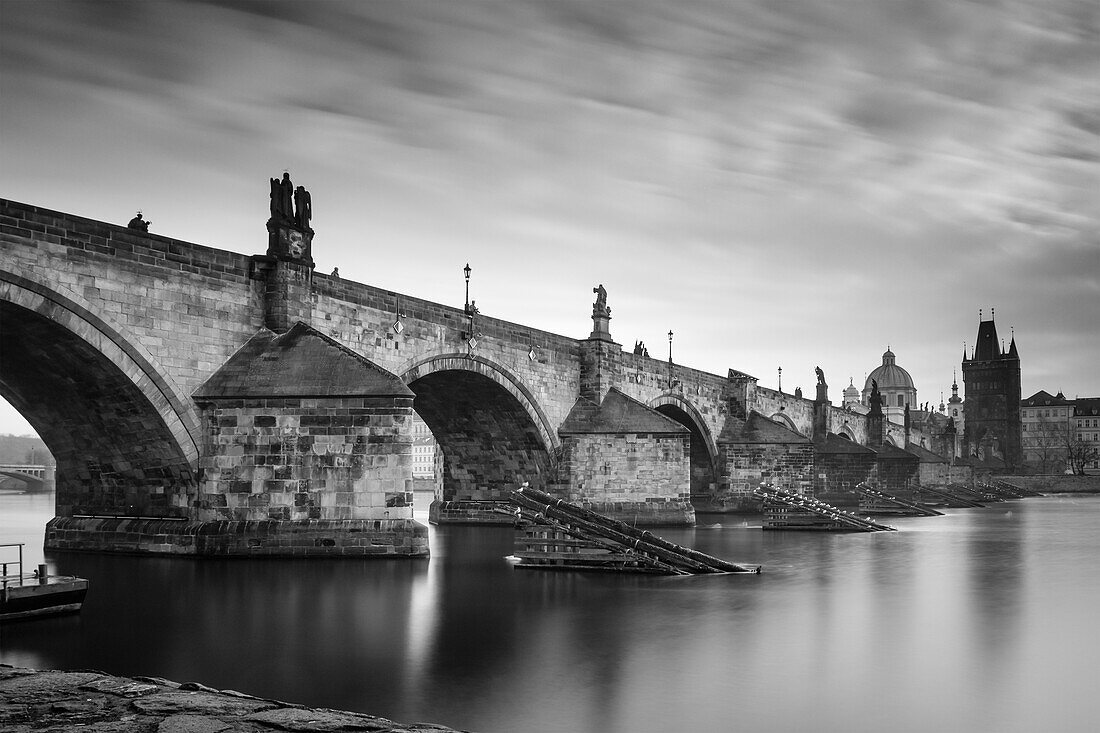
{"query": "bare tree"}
(1079, 452)
(1048, 444)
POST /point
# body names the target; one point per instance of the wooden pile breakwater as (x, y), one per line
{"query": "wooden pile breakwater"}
(872, 501)
(1000, 489)
(950, 497)
(1020, 491)
(787, 510)
(556, 535)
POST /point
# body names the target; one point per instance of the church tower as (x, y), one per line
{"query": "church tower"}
(991, 408)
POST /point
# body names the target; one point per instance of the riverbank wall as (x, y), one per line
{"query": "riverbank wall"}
(1056, 483)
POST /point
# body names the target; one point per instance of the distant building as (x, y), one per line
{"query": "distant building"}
(896, 387)
(991, 380)
(851, 395)
(424, 450)
(1047, 424)
(1086, 416)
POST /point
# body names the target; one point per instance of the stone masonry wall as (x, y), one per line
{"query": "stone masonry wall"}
(190, 306)
(783, 465)
(898, 475)
(285, 459)
(626, 468)
(837, 474)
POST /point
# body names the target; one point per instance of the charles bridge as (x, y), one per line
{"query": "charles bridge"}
(200, 401)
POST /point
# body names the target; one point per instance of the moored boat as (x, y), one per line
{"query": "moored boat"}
(24, 595)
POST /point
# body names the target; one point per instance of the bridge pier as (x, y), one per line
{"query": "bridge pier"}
(307, 451)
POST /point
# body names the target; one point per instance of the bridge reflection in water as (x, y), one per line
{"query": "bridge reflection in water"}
(979, 620)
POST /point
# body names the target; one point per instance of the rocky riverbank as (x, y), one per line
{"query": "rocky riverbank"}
(36, 700)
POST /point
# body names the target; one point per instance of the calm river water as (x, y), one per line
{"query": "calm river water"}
(981, 620)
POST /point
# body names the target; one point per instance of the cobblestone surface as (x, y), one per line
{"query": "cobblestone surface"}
(34, 700)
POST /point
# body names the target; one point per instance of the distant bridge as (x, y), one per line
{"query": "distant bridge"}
(36, 477)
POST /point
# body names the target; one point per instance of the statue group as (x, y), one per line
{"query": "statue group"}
(290, 205)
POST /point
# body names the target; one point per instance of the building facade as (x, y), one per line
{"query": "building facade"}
(1047, 423)
(1085, 454)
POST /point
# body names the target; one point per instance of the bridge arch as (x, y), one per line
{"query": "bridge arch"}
(704, 451)
(490, 428)
(126, 439)
(846, 432)
(782, 419)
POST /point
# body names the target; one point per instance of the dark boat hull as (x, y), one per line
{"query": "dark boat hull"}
(59, 595)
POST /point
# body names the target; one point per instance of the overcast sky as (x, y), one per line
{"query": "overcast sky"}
(780, 183)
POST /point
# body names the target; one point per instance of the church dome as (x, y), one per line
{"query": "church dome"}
(889, 376)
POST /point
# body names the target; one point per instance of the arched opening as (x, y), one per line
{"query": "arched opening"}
(489, 439)
(703, 471)
(107, 416)
(782, 419)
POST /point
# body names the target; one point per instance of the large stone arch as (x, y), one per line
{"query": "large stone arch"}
(704, 452)
(125, 437)
(846, 432)
(491, 430)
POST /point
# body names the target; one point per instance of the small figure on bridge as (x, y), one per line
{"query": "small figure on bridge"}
(138, 223)
(600, 308)
(820, 375)
(336, 272)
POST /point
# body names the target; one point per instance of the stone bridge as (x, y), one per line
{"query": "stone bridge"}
(201, 401)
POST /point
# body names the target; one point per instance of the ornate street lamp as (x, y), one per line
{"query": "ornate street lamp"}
(781, 379)
(670, 358)
(466, 270)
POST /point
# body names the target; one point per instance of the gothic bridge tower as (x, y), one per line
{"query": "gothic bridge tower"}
(991, 408)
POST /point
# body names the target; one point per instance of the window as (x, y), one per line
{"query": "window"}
(901, 400)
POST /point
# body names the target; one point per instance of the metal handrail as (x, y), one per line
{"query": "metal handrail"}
(19, 563)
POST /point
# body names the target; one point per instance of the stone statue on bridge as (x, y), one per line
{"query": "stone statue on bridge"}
(282, 198)
(290, 236)
(820, 375)
(599, 308)
(303, 206)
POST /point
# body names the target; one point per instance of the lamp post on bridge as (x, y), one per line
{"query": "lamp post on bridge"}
(780, 379)
(670, 358)
(466, 270)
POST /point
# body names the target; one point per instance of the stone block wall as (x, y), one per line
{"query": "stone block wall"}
(315, 458)
(898, 475)
(188, 305)
(837, 474)
(934, 474)
(255, 538)
(744, 466)
(960, 474)
(625, 467)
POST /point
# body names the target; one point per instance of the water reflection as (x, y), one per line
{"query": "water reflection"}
(978, 620)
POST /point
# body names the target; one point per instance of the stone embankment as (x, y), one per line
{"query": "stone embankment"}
(33, 700)
(1057, 484)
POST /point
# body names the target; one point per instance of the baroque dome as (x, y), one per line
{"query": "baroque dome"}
(889, 376)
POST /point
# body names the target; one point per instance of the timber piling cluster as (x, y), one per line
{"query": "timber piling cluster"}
(554, 534)
(788, 510)
(873, 501)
